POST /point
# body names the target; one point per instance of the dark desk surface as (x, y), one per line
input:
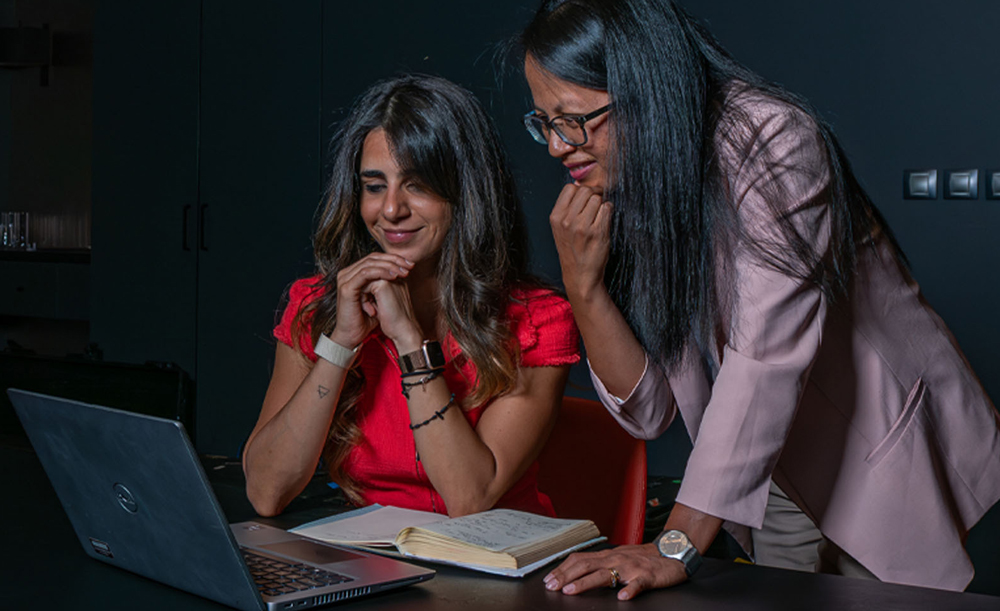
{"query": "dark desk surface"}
(44, 568)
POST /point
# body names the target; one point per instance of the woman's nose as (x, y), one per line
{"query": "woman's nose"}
(394, 206)
(558, 148)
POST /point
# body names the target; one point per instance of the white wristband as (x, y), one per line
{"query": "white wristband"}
(335, 353)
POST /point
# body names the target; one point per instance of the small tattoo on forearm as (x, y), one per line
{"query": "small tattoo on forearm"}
(323, 391)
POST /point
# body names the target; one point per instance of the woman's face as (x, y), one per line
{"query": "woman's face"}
(402, 214)
(587, 163)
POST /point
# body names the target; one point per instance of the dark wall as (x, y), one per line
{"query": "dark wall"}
(6, 20)
(902, 89)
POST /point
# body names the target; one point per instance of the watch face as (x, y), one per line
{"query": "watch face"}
(435, 355)
(672, 543)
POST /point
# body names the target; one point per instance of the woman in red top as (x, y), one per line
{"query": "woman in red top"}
(421, 362)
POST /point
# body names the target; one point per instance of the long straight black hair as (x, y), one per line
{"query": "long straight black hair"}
(668, 81)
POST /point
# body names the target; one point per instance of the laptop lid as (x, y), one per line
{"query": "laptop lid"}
(137, 497)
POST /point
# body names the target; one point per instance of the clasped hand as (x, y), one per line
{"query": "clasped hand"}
(581, 228)
(371, 293)
(638, 567)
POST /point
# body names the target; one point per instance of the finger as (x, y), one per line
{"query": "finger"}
(598, 578)
(370, 307)
(579, 201)
(575, 566)
(565, 197)
(382, 260)
(354, 278)
(392, 258)
(398, 264)
(602, 222)
(590, 211)
(632, 588)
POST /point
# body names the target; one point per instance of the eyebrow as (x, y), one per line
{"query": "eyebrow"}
(378, 174)
(558, 111)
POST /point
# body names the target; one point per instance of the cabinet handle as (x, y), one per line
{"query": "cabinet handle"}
(184, 225)
(203, 227)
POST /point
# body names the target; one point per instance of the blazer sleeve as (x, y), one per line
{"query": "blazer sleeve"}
(776, 322)
(649, 408)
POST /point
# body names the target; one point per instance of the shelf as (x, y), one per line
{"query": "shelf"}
(47, 256)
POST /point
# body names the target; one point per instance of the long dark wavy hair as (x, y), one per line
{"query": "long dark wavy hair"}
(669, 81)
(440, 134)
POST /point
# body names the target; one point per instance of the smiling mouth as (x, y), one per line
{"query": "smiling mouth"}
(580, 171)
(398, 236)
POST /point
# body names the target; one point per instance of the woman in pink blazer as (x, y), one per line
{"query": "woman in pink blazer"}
(723, 262)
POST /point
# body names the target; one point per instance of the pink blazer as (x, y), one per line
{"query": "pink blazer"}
(865, 411)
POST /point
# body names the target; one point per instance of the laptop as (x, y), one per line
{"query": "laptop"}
(137, 497)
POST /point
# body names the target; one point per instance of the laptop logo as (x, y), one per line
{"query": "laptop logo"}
(125, 499)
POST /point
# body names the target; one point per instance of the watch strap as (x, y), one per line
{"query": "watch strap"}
(333, 352)
(691, 560)
(429, 356)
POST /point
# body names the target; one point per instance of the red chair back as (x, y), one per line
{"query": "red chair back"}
(591, 468)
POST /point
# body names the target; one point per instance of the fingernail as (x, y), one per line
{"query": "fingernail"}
(549, 578)
(623, 595)
(570, 588)
(551, 585)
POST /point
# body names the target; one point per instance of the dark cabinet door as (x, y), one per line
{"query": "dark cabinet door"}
(260, 183)
(145, 180)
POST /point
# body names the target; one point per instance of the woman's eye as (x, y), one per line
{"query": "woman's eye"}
(374, 187)
(414, 187)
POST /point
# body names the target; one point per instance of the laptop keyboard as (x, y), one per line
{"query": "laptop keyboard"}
(274, 577)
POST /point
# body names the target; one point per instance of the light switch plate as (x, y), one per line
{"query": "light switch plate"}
(919, 184)
(992, 179)
(961, 184)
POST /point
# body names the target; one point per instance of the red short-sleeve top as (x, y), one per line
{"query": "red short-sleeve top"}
(384, 461)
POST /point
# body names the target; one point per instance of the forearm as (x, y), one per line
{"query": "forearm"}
(615, 355)
(281, 456)
(459, 465)
(701, 528)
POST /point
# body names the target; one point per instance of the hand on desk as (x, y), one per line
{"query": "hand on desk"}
(640, 567)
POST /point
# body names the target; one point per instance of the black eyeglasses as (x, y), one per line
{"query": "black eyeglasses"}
(569, 128)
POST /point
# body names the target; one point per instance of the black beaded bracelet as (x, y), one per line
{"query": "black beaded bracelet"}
(431, 374)
(438, 415)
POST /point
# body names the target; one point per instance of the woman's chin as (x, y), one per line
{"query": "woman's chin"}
(594, 185)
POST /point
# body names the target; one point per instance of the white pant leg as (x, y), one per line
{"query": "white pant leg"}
(788, 539)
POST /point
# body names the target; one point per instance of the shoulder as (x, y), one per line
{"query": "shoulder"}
(301, 293)
(756, 130)
(304, 291)
(543, 324)
(769, 152)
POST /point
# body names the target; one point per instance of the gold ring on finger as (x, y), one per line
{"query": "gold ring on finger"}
(615, 578)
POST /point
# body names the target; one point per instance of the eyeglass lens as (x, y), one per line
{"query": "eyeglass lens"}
(569, 132)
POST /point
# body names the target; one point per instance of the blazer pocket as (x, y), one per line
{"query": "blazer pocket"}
(913, 403)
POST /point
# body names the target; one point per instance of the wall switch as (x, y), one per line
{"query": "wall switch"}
(919, 184)
(961, 184)
(993, 184)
